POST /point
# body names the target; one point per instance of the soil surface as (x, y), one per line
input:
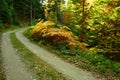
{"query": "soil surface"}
(14, 68)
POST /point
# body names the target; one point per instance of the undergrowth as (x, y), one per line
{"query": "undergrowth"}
(95, 63)
(47, 32)
(91, 56)
(98, 63)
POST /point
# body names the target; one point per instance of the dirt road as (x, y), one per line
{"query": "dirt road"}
(15, 69)
(69, 70)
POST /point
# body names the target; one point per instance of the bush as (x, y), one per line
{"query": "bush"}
(56, 36)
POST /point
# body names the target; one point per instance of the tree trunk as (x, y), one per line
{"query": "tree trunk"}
(82, 32)
(31, 14)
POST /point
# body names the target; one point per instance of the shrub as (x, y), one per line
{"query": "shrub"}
(55, 36)
(39, 27)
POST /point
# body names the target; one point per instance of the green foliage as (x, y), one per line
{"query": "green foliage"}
(33, 22)
(27, 9)
(101, 23)
(53, 10)
(92, 38)
(27, 33)
(66, 50)
(97, 25)
(102, 29)
(5, 14)
(100, 63)
(1, 26)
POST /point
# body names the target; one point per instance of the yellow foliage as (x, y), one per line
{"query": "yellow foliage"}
(58, 36)
(39, 26)
(55, 35)
(95, 50)
(90, 3)
(67, 15)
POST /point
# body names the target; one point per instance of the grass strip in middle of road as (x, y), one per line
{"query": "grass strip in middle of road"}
(34, 63)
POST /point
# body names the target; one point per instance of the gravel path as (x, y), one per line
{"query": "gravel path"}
(14, 68)
(69, 70)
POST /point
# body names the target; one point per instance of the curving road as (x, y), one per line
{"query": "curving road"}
(15, 69)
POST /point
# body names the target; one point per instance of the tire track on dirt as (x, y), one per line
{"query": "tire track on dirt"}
(69, 70)
(14, 68)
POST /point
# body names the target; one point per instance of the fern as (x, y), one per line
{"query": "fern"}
(56, 36)
(38, 28)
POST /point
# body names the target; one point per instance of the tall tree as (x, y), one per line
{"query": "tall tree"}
(28, 9)
(5, 15)
(12, 12)
(53, 10)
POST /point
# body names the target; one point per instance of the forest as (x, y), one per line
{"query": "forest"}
(74, 29)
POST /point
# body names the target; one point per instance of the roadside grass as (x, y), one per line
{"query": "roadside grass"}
(99, 65)
(2, 76)
(34, 63)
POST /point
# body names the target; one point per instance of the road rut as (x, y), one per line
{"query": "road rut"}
(14, 68)
(69, 70)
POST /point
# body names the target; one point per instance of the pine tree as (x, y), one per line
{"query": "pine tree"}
(5, 15)
(27, 9)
